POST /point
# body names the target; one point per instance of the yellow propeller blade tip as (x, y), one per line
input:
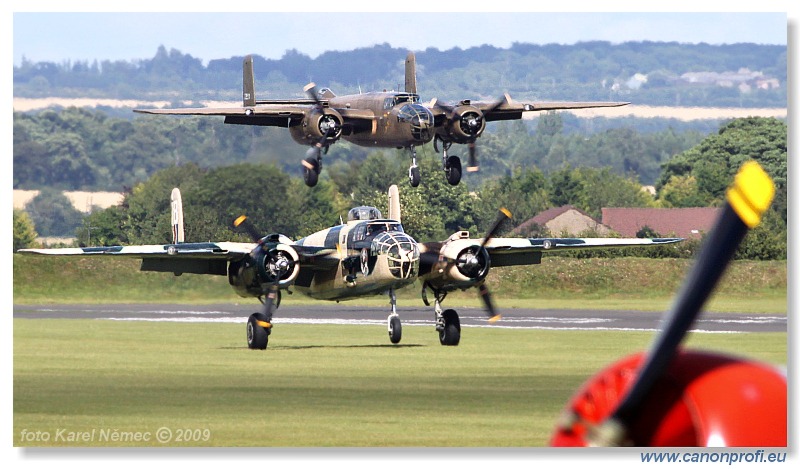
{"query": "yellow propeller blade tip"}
(239, 220)
(495, 318)
(751, 193)
(506, 212)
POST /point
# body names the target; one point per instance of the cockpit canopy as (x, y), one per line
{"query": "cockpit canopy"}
(363, 213)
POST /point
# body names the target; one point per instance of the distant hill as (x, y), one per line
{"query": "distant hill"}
(645, 73)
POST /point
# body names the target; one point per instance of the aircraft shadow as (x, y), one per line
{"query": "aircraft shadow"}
(303, 347)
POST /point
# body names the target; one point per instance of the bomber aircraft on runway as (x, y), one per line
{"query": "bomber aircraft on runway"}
(367, 255)
(387, 119)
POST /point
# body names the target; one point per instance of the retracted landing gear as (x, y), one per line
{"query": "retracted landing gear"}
(395, 327)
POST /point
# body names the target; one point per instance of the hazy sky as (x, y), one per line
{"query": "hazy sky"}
(60, 36)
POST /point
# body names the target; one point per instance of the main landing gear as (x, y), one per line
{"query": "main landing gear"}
(312, 166)
(450, 164)
(448, 325)
(259, 325)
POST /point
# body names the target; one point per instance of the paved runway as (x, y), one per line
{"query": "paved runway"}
(410, 316)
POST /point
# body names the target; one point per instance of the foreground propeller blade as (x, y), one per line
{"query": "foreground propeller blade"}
(486, 297)
(244, 223)
(746, 201)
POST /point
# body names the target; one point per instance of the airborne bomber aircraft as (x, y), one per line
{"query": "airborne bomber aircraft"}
(366, 255)
(386, 119)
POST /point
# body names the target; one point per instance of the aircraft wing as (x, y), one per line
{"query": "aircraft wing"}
(276, 115)
(514, 109)
(272, 115)
(526, 251)
(226, 250)
(523, 251)
(195, 258)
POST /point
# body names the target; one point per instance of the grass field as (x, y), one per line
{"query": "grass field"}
(318, 385)
(108, 383)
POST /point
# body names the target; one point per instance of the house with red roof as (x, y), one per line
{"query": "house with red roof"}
(560, 220)
(691, 222)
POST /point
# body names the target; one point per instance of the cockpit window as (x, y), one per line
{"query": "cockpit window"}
(378, 227)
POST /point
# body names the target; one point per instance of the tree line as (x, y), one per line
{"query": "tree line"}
(596, 70)
(278, 201)
(84, 149)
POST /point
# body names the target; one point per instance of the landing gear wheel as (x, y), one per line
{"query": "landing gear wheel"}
(453, 170)
(451, 332)
(257, 335)
(413, 176)
(395, 329)
(311, 171)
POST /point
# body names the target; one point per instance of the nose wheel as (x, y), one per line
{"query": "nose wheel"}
(413, 172)
(395, 327)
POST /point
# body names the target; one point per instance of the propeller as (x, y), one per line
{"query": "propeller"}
(472, 164)
(316, 151)
(470, 125)
(277, 265)
(471, 263)
(746, 200)
(485, 296)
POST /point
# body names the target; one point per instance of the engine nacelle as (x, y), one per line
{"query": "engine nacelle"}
(465, 124)
(316, 125)
(464, 264)
(255, 273)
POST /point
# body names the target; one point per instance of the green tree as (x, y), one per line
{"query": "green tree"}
(24, 230)
(681, 191)
(53, 214)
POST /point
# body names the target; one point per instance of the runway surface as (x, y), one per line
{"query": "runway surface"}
(423, 316)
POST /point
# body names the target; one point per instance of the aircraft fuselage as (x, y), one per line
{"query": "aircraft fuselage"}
(374, 256)
(400, 120)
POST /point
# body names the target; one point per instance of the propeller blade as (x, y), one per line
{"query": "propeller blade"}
(497, 104)
(311, 90)
(746, 201)
(488, 304)
(473, 158)
(244, 223)
(504, 215)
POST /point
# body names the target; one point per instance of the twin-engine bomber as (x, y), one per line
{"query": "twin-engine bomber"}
(385, 119)
(367, 255)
